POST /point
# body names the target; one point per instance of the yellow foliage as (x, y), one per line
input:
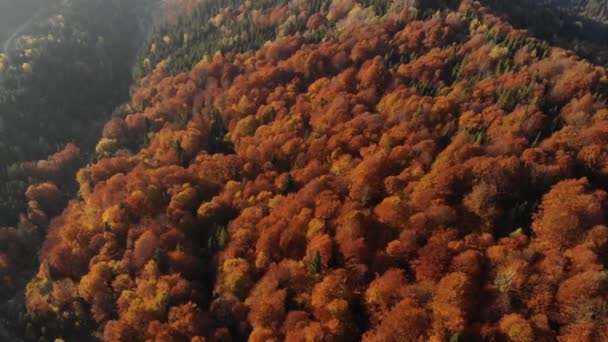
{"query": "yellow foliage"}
(342, 165)
(499, 52)
(477, 26)
(315, 226)
(386, 141)
(26, 67)
(264, 196)
(246, 126)
(474, 24)
(150, 271)
(261, 260)
(184, 198)
(206, 210)
(106, 217)
(317, 85)
(149, 301)
(236, 271)
(275, 201)
(217, 20)
(122, 282)
(232, 185)
(203, 61)
(95, 281)
(106, 147)
(517, 233)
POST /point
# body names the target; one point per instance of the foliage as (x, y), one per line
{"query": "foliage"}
(60, 81)
(412, 177)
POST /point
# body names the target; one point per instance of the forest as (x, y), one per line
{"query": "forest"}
(578, 25)
(63, 76)
(63, 72)
(305, 171)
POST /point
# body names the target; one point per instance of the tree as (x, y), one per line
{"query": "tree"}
(405, 322)
(452, 304)
(516, 328)
(315, 263)
(567, 211)
(287, 184)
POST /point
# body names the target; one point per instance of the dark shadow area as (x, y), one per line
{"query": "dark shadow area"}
(573, 25)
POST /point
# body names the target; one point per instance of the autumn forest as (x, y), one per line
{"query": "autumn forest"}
(303, 171)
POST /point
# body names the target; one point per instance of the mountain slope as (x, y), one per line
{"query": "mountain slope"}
(594, 9)
(578, 25)
(374, 172)
(60, 81)
(63, 73)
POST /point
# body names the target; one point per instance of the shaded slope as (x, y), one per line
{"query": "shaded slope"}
(579, 25)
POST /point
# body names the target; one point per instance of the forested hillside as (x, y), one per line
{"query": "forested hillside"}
(65, 70)
(335, 171)
(579, 25)
(594, 9)
(60, 80)
(294, 170)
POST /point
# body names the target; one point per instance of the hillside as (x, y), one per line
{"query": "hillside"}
(578, 25)
(60, 80)
(336, 171)
(593, 9)
(65, 69)
(290, 170)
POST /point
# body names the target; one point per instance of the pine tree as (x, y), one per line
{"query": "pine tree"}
(315, 263)
(287, 185)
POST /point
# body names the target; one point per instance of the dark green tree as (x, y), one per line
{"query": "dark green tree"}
(315, 263)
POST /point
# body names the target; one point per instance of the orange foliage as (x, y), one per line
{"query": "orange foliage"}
(389, 183)
(568, 211)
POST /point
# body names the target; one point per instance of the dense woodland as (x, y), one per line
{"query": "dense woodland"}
(64, 72)
(324, 170)
(59, 82)
(578, 25)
